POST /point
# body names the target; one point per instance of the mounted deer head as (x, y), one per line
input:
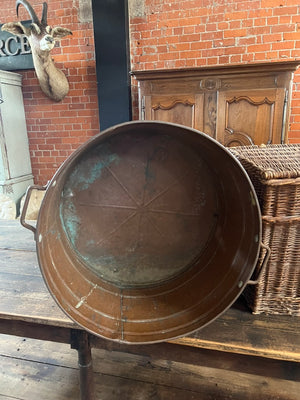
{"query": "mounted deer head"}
(42, 38)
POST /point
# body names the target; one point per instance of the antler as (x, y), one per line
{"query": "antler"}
(44, 15)
(29, 8)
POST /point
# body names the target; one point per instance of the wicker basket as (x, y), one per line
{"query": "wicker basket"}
(275, 173)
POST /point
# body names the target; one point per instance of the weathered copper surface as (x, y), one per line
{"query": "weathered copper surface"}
(148, 232)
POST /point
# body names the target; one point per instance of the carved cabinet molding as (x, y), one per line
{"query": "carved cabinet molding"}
(235, 104)
(184, 109)
(251, 117)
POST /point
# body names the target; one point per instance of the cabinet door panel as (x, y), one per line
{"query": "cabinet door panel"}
(182, 109)
(250, 117)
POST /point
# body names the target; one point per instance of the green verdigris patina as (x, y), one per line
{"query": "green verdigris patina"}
(84, 174)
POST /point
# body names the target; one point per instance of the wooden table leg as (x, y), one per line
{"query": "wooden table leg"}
(80, 341)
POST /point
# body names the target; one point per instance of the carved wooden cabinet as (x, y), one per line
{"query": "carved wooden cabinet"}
(236, 105)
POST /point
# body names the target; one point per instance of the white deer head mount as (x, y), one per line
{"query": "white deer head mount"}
(42, 38)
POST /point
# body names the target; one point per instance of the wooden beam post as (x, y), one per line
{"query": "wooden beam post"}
(80, 341)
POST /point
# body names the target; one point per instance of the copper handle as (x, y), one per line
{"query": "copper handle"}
(25, 206)
(263, 265)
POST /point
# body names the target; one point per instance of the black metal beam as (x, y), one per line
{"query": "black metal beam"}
(112, 61)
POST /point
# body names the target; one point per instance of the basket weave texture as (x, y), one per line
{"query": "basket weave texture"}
(275, 173)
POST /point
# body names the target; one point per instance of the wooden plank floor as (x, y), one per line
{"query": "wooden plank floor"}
(38, 370)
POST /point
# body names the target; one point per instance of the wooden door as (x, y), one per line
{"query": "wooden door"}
(247, 117)
(183, 109)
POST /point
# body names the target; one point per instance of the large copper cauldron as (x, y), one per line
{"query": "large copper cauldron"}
(147, 232)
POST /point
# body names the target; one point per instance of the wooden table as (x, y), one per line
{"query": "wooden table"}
(236, 341)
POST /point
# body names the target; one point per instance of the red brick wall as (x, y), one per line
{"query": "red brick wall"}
(194, 33)
(56, 129)
(164, 34)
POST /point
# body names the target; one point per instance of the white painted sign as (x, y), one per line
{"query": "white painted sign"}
(15, 51)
